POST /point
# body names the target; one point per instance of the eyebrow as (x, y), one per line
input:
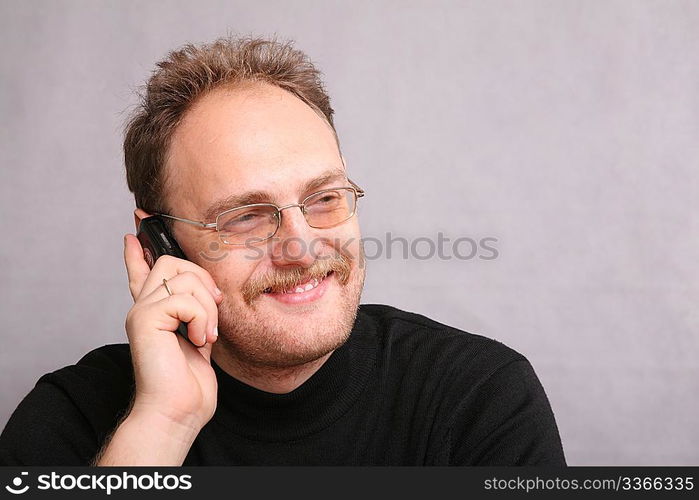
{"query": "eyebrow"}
(260, 196)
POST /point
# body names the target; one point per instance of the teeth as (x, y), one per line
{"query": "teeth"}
(303, 288)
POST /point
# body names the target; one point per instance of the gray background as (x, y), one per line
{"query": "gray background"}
(568, 130)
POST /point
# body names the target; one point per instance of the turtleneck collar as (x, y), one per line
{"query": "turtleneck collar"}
(309, 408)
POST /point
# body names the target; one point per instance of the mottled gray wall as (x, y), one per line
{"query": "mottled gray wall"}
(568, 130)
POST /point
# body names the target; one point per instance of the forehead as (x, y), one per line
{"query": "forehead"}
(257, 137)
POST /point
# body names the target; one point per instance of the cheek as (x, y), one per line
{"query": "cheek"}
(350, 247)
(235, 270)
(349, 242)
(229, 267)
(211, 252)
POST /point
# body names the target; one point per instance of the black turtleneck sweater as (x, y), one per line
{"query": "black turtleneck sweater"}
(403, 390)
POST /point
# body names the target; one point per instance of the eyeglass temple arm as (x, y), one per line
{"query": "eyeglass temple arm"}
(193, 222)
(360, 191)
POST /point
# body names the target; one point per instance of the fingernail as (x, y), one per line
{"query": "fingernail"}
(217, 291)
(216, 331)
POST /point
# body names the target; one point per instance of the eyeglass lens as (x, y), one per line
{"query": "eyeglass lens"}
(259, 222)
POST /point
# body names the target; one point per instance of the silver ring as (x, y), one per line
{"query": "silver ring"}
(167, 287)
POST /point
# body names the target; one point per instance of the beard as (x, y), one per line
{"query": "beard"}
(259, 335)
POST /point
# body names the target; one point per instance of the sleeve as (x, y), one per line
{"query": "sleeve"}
(506, 421)
(47, 428)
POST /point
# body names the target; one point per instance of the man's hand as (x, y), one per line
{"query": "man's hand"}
(175, 383)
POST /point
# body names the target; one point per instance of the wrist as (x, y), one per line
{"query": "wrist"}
(148, 439)
(183, 429)
(180, 422)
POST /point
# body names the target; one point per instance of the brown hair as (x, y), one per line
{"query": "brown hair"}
(190, 72)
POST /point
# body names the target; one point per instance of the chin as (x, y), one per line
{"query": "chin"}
(282, 331)
(299, 348)
(285, 344)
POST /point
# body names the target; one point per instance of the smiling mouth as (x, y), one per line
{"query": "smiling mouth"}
(300, 287)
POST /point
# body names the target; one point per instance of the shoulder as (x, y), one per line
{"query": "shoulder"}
(485, 399)
(428, 360)
(410, 335)
(70, 411)
(110, 357)
(109, 364)
(99, 385)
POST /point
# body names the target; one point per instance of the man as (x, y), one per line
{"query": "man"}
(234, 144)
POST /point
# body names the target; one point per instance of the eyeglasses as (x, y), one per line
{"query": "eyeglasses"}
(260, 221)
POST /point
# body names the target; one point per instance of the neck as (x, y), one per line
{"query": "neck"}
(265, 378)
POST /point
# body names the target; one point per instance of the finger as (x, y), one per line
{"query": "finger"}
(182, 307)
(168, 267)
(190, 283)
(136, 266)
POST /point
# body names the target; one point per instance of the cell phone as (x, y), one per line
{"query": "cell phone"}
(156, 241)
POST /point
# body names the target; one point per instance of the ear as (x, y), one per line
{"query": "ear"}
(138, 216)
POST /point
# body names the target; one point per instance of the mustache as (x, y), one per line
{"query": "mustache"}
(278, 280)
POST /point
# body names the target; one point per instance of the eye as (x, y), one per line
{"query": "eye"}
(246, 219)
(328, 198)
(325, 200)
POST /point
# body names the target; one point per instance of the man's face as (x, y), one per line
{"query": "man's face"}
(264, 144)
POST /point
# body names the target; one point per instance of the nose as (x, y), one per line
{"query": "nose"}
(292, 245)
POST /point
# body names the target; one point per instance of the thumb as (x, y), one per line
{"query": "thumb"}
(136, 266)
(206, 351)
(195, 354)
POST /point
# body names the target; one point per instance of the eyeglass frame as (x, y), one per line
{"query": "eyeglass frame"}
(358, 193)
